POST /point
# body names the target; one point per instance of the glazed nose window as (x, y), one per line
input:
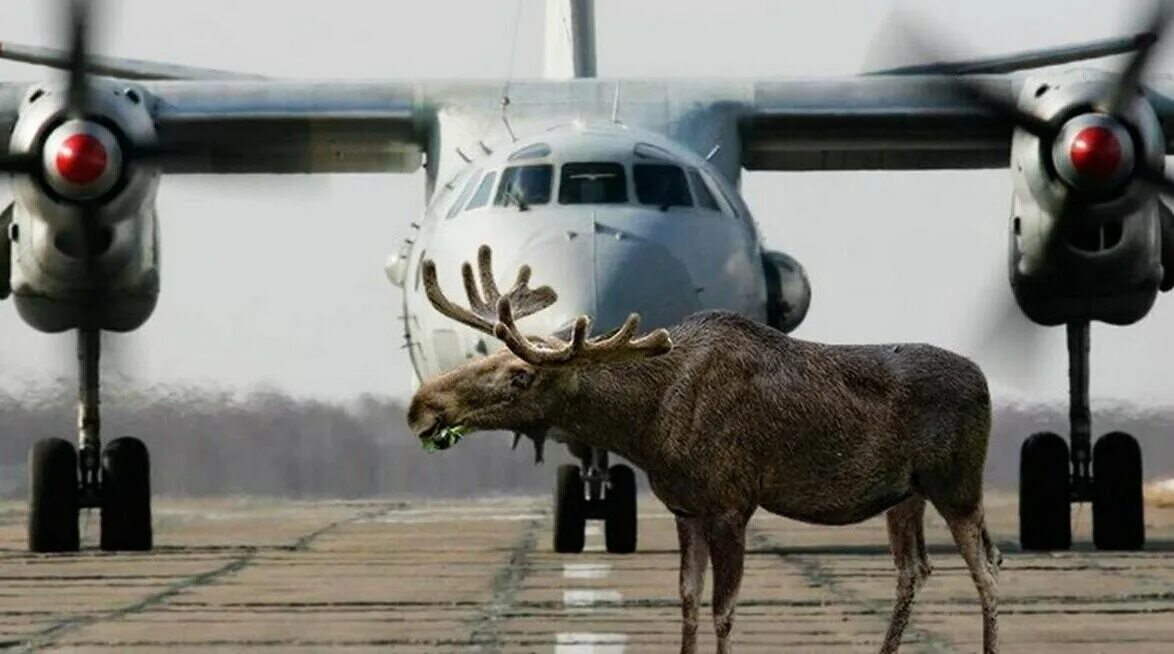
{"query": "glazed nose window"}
(593, 183)
(524, 186)
(662, 185)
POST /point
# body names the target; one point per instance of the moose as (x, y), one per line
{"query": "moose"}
(726, 415)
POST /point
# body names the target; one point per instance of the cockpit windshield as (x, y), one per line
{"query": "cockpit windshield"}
(481, 197)
(593, 183)
(523, 186)
(662, 185)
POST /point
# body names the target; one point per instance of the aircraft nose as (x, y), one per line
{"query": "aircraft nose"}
(607, 276)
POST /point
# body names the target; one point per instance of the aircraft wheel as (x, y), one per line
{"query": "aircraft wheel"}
(126, 496)
(570, 510)
(1044, 494)
(620, 528)
(53, 497)
(1118, 513)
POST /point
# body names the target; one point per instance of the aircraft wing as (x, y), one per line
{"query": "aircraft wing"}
(290, 127)
(872, 123)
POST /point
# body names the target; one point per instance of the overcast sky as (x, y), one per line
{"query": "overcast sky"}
(278, 282)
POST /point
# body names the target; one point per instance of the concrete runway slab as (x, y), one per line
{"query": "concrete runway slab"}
(378, 576)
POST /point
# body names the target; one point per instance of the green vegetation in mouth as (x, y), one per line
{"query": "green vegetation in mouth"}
(445, 438)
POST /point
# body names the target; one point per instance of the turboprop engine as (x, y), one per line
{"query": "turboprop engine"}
(84, 187)
(1086, 228)
(78, 162)
(788, 291)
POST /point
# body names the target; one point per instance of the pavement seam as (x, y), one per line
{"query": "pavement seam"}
(820, 576)
(54, 632)
(485, 634)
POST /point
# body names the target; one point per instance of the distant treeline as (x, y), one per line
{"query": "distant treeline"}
(268, 443)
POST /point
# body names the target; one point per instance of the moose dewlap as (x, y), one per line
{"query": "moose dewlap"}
(726, 415)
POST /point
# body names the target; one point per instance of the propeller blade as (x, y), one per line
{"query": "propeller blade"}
(19, 163)
(1128, 84)
(1008, 343)
(79, 27)
(1004, 106)
(975, 92)
(1158, 178)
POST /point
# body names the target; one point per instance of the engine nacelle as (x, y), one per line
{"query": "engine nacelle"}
(86, 172)
(788, 291)
(1102, 261)
(117, 120)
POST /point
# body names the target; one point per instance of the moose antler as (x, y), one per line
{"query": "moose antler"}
(619, 346)
(482, 312)
(495, 314)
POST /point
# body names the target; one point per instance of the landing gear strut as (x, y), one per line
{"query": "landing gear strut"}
(593, 490)
(115, 480)
(1052, 476)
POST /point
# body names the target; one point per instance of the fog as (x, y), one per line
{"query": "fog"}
(206, 443)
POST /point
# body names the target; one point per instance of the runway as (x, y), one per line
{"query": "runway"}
(473, 576)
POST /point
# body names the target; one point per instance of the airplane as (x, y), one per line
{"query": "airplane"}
(594, 182)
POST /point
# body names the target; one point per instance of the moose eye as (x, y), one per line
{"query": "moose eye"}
(521, 379)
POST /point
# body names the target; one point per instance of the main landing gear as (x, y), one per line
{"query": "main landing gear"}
(115, 479)
(593, 490)
(1108, 475)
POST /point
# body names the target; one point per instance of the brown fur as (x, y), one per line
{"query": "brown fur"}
(738, 416)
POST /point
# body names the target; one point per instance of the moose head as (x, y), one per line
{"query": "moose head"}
(521, 386)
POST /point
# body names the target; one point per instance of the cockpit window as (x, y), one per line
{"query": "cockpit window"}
(593, 183)
(523, 186)
(470, 185)
(705, 199)
(481, 197)
(662, 185)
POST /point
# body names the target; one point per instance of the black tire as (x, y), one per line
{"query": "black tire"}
(53, 497)
(1044, 494)
(126, 496)
(570, 510)
(620, 527)
(1118, 508)
(5, 253)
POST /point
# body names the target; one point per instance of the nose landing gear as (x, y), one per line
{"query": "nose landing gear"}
(115, 480)
(1109, 475)
(595, 491)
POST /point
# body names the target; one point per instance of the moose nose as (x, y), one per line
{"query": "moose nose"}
(420, 416)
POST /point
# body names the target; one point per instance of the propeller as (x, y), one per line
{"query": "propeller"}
(1096, 151)
(1092, 155)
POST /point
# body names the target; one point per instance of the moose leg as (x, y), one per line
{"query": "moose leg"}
(906, 523)
(694, 559)
(993, 556)
(726, 535)
(969, 530)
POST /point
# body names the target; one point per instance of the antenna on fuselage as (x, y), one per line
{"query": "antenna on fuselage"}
(505, 119)
(509, 74)
(713, 152)
(615, 105)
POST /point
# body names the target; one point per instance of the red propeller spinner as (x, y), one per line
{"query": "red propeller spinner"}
(1093, 152)
(82, 160)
